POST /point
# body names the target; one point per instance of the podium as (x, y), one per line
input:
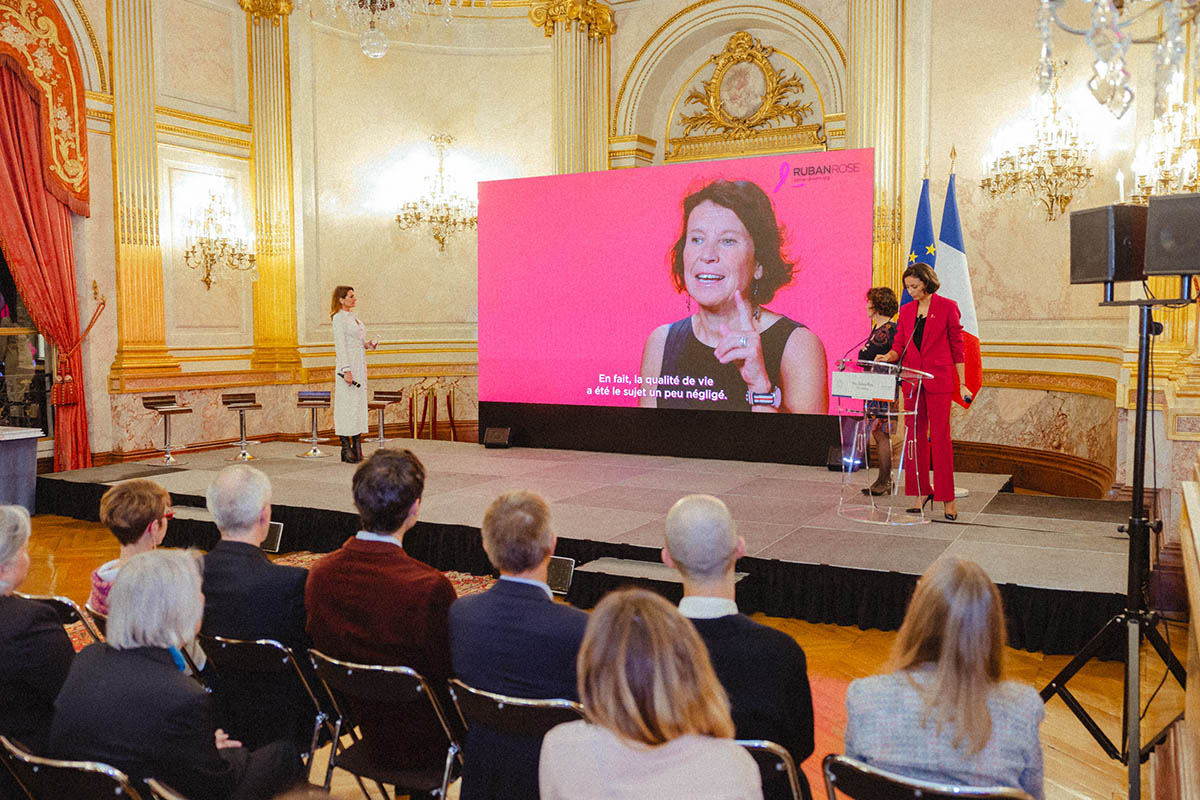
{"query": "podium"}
(870, 392)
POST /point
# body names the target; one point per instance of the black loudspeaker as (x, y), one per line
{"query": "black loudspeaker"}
(1108, 244)
(1173, 235)
(497, 437)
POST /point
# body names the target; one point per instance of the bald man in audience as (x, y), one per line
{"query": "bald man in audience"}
(763, 670)
(248, 597)
(515, 640)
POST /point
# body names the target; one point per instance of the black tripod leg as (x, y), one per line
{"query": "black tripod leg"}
(1058, 683)
(1151, 633)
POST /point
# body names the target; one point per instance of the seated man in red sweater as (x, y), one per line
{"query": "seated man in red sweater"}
(762, 669)
(370, 602)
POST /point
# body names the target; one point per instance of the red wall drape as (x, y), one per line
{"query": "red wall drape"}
(35, 234)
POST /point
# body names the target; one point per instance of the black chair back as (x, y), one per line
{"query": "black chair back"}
(774, 761)
(518, 716)
(79, 780)
(67, 610)
(264, 657)
(854, 779)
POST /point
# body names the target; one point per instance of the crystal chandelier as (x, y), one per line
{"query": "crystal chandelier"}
(1113, 27)
(376, 17)
(444, 212)
(1166, 162)
(213, 242)
(1051, 167)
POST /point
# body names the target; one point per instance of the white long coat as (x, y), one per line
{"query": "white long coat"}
(349, 402)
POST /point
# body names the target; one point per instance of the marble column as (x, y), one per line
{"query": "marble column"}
(873, 119)
(275, 336)
(141, 330)
(581, 32)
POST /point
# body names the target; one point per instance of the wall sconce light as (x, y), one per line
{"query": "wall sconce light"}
(213, 243)
(443, 211)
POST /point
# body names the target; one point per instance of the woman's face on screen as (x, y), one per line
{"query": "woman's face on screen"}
(718, 256)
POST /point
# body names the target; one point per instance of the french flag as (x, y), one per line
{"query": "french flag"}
(956, 284)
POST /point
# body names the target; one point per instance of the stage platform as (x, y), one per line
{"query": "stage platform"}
(1060, 562)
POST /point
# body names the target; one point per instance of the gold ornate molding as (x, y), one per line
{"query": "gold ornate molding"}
(589, 15)
(267, 9)
(745, 107)
(754, 98)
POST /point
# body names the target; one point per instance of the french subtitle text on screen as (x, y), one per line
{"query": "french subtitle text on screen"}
(665, 387)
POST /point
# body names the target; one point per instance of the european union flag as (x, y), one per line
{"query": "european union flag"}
(924, 246)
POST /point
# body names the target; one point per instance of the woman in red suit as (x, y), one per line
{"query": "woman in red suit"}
(929, 338)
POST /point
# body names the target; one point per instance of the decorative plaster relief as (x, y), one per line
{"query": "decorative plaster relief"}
(200, 55)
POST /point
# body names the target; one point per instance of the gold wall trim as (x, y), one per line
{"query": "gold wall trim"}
(215, 122)
(95, 43)
(1055, 356)
(99, 97)
(1070, 383)
(204, 136)
(97, 113)
(841, 51)
(634, 139)
(1088, 345)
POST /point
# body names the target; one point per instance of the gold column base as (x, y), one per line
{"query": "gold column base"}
(275, 357)
(140, 361)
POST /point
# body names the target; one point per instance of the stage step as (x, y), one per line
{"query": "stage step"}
(598, 577)
(640, 570)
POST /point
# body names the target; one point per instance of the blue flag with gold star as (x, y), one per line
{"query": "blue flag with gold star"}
(924, 246)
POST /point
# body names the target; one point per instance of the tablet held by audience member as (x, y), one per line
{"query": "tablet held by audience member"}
(127, 703)
(35, 652)
(945, 713)
(658, 721)
(514, 640)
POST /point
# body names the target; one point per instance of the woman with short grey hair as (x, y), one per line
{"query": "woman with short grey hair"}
(128, 703)
(35, 652)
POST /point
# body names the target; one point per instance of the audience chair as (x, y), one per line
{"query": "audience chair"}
(10, 783)
(68, 612)
(264, 657)
(775, 761)
(160, 791)
(518, 716)
(859, 781)
(368, 683)
(380, 403)
(79, 780)
(167, 407)
(241, 402)
(98, 619)
(314, 401)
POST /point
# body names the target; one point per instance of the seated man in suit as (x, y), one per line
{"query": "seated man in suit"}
(370, 602)
(762, 669)
(513, 639)
(248, 597)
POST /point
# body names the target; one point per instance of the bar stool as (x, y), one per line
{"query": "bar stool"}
(167, 406)
(314, 401)
(241, 402)
(380, 403)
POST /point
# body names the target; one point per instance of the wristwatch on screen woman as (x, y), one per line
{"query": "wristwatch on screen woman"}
(773, 398)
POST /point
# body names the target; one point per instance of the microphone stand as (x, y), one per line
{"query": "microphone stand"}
(1139, 622)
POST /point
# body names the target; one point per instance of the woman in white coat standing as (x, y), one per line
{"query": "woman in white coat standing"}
(350, 388)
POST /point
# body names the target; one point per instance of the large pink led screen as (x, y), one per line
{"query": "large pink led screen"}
(596, 289)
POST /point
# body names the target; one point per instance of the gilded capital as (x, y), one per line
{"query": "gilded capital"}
(267, 9)
(589, 15)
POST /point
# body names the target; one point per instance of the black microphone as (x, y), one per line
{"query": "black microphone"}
(861, 342)
(342, 375)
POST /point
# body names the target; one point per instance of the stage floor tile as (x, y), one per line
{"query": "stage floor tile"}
(1046, 567)
(845, 548)
(758, 535)
(598, 524)
(832, 520)
(686, 481)
(1075, 508)
(1062, 535)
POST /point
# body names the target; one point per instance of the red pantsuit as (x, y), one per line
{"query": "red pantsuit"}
(940, 350)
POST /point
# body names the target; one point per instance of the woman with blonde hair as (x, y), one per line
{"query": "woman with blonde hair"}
(658, 722)
(944, 713)
(350, 346)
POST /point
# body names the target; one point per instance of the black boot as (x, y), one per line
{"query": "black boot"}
(347, 450)
(357, 440)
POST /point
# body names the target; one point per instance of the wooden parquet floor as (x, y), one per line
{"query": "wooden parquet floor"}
(64, 552)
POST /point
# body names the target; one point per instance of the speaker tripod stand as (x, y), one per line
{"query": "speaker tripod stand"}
(1138, 621)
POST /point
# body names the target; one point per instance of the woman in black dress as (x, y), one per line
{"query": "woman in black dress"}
(881, 306)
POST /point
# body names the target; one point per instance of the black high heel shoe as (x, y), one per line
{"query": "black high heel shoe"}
(948, 515)
(927, 501)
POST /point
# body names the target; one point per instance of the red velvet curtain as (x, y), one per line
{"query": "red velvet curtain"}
(35, 234)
